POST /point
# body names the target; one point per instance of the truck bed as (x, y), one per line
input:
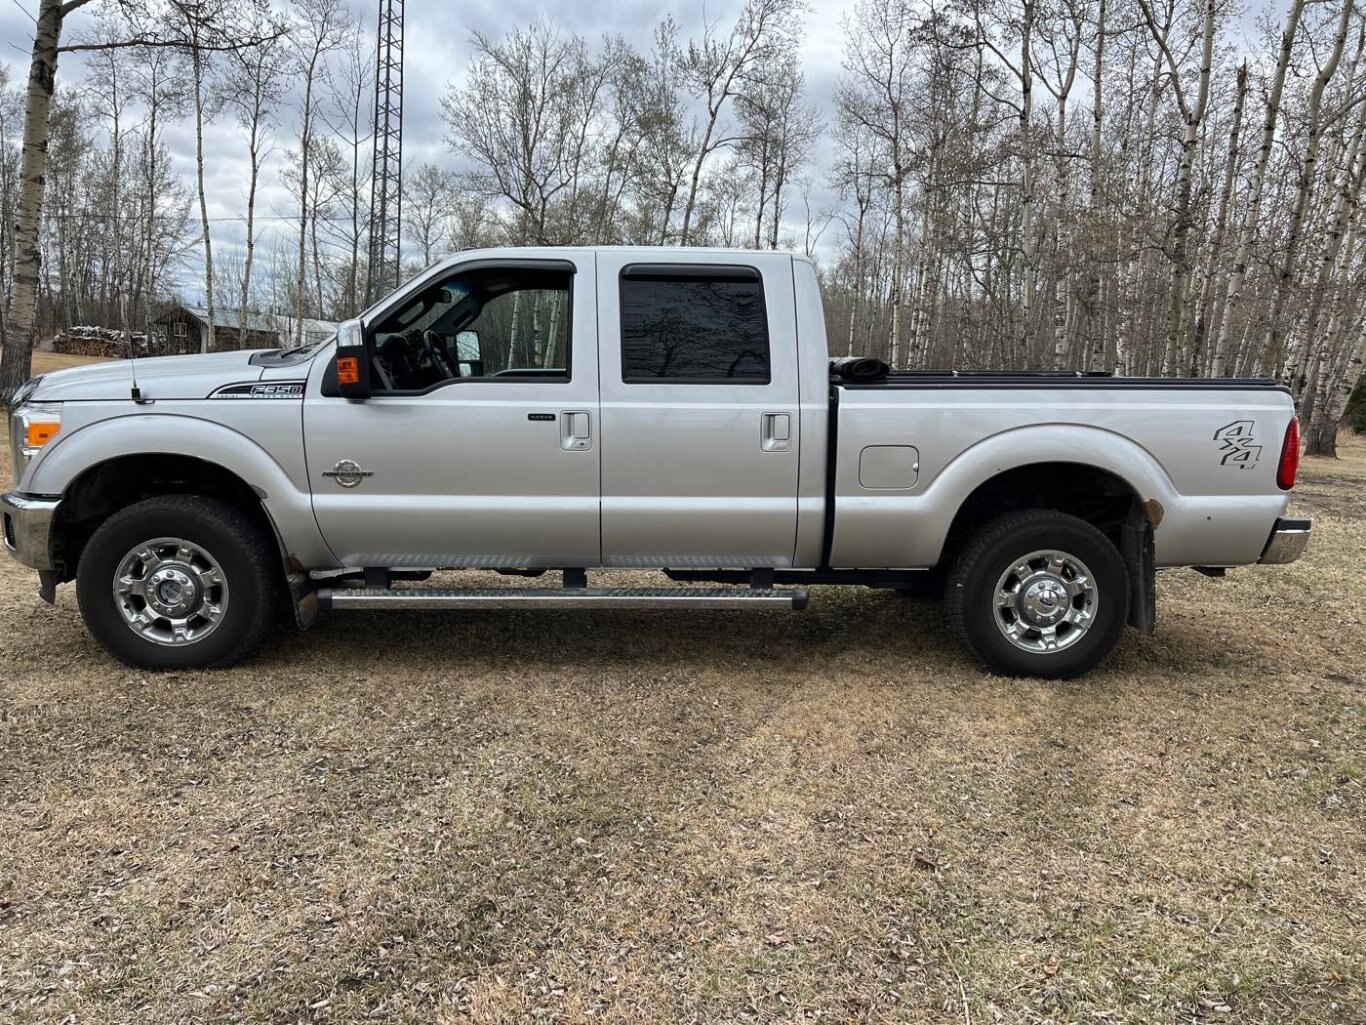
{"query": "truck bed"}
(911, 449)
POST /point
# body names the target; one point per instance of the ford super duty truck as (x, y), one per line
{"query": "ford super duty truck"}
(576, 410)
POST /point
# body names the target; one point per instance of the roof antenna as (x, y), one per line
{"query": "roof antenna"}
(136, 392)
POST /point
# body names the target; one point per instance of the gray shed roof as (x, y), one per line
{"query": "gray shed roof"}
(265, 323)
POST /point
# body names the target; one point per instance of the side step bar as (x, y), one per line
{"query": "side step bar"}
(561, 598)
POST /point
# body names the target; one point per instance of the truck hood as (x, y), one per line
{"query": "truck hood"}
(159, 377)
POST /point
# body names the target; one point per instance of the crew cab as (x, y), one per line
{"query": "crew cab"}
(588, 410)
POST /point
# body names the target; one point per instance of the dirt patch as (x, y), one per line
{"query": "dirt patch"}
(636, 817)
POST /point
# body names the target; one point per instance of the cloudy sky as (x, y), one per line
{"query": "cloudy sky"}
(436, 51)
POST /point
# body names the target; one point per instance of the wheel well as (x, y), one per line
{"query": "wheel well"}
(116, 483)
(1087, 492)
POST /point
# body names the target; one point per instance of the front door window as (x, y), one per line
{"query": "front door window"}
(493, 324)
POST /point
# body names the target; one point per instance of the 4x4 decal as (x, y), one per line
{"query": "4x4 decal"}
(1238, 443)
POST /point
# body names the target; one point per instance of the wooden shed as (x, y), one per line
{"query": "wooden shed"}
(184, 327)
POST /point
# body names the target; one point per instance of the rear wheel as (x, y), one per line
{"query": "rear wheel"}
(179, 582)
(1038, 593)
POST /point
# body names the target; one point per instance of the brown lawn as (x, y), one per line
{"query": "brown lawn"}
(46, 362)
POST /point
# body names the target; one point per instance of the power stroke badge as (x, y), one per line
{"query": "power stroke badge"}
(348, 473)
(1238, 444)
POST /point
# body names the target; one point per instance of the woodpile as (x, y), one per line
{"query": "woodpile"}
(86, 340)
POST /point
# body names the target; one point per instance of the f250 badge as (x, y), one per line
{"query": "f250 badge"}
(347, 473)
(1238, 444)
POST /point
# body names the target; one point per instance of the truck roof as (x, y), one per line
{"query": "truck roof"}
(654, 253)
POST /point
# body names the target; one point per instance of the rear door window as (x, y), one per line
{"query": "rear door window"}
(699, 325)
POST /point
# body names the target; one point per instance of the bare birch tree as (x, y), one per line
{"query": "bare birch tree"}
(318, 28)
(253, 86)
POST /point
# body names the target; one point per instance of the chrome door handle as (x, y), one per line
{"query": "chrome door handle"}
(576, 430)
(775, 433)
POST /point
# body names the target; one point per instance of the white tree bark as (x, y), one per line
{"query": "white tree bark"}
(1252, 205)
(208, 342)
(17, 359)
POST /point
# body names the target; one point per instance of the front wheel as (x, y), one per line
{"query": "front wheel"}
(1038, 593)
(179, 582)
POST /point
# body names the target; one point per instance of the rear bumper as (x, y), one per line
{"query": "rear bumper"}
(26, 523)
(1287, 541)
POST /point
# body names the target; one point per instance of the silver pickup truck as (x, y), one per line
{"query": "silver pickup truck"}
(576, 410)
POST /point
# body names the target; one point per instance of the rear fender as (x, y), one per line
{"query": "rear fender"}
(910, 530)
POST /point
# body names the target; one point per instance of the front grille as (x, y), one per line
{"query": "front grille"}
(16, 448)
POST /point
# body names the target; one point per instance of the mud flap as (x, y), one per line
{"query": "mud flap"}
(1137, 548)
(303, 593)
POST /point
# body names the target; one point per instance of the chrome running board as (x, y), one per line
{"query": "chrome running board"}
(561, 598)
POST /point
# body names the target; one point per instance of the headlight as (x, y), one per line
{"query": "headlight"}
(25, 390)
(30, 428)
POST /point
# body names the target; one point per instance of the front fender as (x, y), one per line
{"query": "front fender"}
(289, 509)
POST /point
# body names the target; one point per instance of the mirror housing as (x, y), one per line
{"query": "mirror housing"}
(353, 360)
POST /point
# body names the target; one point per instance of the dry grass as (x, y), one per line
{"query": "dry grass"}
(46, 362)
(552, 816)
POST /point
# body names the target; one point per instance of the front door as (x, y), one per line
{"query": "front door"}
(479, 444)
(699, 411)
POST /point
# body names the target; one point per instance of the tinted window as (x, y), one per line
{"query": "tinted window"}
(687, 327)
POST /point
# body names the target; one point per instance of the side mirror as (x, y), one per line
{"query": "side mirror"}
(353, 360)
(467, 345)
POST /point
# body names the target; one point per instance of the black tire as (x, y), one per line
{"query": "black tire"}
(970, 596)
(246, 554)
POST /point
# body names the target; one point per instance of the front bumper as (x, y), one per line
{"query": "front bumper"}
(1287, 541)
(26, 521)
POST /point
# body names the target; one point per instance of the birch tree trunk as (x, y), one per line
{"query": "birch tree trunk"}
(1336, 207)
(897, 297)
(1203, 327)
(1252, 207)
(1320, 350)
(1193, 114)
(16, 362)
(149, 223)
(1027, 248)
(1272, 354)
(254, 129)
(1323, 429)
(301, 271)
(1097, 340)
(1181, 278)
(208, 342)
(855, 308)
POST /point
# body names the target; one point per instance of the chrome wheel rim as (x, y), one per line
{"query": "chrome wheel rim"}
(1046, 601)
(170, 591)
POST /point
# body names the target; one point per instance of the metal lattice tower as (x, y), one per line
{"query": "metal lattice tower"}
(386, 183)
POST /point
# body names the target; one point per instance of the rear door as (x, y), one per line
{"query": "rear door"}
(699, 401)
